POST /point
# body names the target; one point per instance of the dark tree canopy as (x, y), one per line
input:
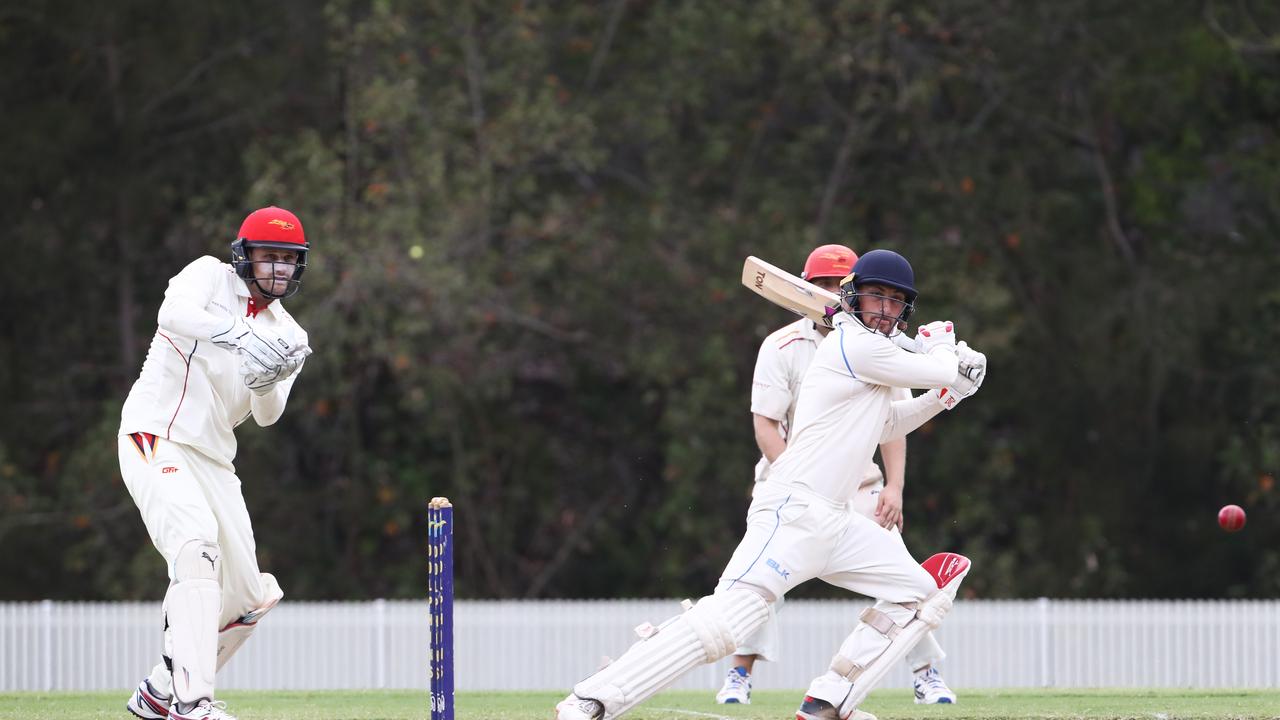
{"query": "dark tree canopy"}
(528, 223)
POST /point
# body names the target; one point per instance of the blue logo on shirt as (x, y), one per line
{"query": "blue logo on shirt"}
(778, 568)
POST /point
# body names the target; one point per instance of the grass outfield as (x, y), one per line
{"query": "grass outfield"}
(683, 705)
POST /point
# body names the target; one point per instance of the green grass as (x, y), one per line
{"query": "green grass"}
(684, 705)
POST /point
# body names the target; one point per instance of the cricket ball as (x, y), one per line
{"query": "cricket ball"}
(1231, 518)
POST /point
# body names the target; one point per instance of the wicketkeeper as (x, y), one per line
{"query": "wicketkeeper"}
(225, 350)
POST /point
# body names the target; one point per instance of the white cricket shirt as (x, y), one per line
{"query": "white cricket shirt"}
(846, 408)
(780, 367)
(190, 391)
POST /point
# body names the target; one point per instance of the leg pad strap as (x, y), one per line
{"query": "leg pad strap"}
(881, 623)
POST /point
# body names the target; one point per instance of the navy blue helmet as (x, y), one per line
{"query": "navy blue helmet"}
(880, 267)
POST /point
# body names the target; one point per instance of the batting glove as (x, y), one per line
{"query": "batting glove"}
(939, 333)
(968, 380)
(968, 355)
(947, 397)
(973, 364)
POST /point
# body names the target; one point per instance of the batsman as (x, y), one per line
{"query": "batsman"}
(800, 526)
(780, 369)
(225, 350)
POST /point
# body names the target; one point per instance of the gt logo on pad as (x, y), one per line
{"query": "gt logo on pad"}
(167, 470)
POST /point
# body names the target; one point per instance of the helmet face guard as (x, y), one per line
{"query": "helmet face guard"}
(243, 265)
(871, 320)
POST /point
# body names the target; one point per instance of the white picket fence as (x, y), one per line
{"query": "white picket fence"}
(543, 645)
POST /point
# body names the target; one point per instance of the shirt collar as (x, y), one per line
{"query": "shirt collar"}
(242, 289)
(842, 317)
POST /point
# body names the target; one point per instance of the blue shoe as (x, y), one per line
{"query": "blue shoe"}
(737, 688)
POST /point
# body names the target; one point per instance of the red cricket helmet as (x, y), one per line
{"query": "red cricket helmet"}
(829, 261)
(270, 227)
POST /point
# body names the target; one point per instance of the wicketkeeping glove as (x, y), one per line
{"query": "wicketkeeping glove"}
(261, 380)
(265, 350)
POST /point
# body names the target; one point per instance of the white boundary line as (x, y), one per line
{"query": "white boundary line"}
(694, 713)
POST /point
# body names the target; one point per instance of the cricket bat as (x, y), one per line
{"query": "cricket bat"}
(799, 296)
(786, 290)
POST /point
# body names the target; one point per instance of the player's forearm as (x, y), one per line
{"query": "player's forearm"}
(894, 455)
(769, 436)
(879, 361)
(184, 316)
(907, 415)
(268, 407)
(920, 371)
(189, 292)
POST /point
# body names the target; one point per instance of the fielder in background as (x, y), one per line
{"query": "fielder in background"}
(225, 350)
(780, 367)
(800, 526)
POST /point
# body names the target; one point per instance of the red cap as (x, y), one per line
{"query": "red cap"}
(273, 225)
(829, 261)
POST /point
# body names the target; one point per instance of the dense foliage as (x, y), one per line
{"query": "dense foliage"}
(528, 223)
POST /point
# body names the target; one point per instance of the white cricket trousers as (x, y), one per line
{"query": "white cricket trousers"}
(184, 495)
(793, 536)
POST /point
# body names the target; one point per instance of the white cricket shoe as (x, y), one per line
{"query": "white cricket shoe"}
(576, 708)
(931, 690)
(148, 703)
(203, 710)
(737, 688)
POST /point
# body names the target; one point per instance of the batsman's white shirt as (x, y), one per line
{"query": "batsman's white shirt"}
(781, 364)
(846, 407)
(191, 391)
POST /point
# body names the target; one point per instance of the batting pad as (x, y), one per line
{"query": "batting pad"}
(708, 631)
(191, 609)
(948, 570)
(763, 643)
